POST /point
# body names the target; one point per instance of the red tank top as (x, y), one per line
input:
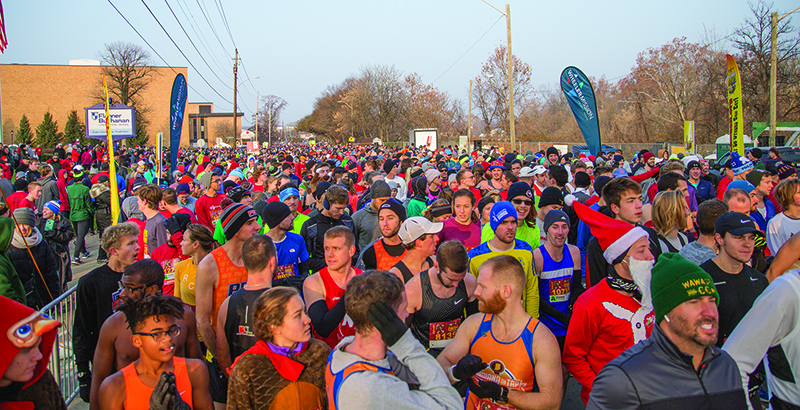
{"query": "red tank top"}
(333, 293)
(137, 394)
(231, 279)
(386, 261)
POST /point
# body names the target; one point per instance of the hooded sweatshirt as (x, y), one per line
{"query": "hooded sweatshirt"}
(41, 391)
(50, 192)
(62, 190)
(10, 282)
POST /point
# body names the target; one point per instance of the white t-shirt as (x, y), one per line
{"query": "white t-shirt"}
(401, 187)
(779, 230)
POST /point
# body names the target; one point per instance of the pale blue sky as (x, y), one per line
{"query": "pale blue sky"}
(299, 47)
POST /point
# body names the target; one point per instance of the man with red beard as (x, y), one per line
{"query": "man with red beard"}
(617, 312)
(504, 353)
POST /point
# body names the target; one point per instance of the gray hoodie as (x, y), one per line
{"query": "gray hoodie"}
(367, 230)
(410, 364)
(49, 192)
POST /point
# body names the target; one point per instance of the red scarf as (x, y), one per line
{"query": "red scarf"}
(288, 368)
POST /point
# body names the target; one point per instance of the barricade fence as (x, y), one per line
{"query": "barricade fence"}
(62, 360)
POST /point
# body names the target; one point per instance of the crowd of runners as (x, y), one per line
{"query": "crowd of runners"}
(367, 277)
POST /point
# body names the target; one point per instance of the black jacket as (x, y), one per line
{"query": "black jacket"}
(58, 237)
(37, 294)
(313, 231)
(655, 374)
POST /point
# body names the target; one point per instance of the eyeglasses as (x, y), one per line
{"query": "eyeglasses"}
(173, 332)
(522, 202)
(133, 289)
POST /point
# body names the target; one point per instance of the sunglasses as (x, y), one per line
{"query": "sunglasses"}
(522, 202)
(173, 332)
(133, 289)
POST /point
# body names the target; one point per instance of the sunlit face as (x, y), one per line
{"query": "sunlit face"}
(469, 179)
(427, 244)
(695, 173)
(553, 158)
(641, 250)
(629, 208)
(337, 254)
(739, 248)
(127, 252)
(488, 293)
(292, 202)
(215, 183)
(695, 321)
(389, 223)
(162, 350)
(296, 325)
(22, 368)
(47, 213)
(462, 209)
(557, 233)
(497, 173)
(506, 230)
(487, 211)
(515, 167)
(24, 230)
(336, 210)
(188, 245)
(248, 230)
(523, 205)
(765, 186)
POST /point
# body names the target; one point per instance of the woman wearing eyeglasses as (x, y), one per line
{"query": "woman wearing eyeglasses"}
(157, 380)
(520, 194)
(285, 369)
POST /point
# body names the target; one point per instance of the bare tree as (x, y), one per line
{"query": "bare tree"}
(269, 116)
(129, 71)
(490, 90)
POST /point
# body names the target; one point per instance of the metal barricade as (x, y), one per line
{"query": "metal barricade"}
(62, 360)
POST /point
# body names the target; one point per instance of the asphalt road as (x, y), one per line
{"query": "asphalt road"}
(572, 400)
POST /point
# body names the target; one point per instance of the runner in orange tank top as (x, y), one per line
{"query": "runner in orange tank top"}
(157, 379)
(504, 351)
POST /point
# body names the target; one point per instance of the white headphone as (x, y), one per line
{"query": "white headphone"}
(666, 318)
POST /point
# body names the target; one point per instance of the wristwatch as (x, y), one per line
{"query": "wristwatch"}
(503, 399)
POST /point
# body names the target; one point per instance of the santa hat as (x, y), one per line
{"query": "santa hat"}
(615, 236)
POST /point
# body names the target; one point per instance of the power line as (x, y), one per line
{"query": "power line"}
(468, 50)
(190, 18)
(154, 50)
(221, 9)
(213, 30)
(193, 45)
(184, 54)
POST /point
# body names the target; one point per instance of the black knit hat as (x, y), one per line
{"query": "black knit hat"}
(274, 213)
(234, 217)
(395, 207)
(551, 196)
(582, 179)
(520, 188)
(600, 183)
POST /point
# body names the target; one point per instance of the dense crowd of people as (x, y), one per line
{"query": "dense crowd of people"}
(364, 277)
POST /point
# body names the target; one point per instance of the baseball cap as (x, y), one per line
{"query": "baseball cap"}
(735, 223)
(526, 172)
(539, 170)
(413, 228)
(741, 184)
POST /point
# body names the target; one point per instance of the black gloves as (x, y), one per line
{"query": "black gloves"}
(165, 395)
(488, 390)
(85, 384)
(468, 366)
(177, 223)
(291, 281)
(385, 319)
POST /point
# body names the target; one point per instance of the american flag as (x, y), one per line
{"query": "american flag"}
(3, 39)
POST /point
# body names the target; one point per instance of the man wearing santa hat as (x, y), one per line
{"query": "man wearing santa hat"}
(617, 312)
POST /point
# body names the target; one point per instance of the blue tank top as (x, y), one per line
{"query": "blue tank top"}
(555, 284)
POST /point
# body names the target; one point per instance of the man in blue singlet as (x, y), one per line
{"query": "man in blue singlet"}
(560, 277)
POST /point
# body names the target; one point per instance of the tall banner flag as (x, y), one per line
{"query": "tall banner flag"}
(580, 96)
(688, 136)
(159, 156)
(177, 105)
(112, 166)
(734, 82)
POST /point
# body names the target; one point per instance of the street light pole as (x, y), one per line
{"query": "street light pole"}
(511, 120)
(773, 76)
(235, 86)
(257, 102)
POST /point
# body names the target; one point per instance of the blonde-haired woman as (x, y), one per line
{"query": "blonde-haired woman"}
(198, 241)
(285, 369)
(670, 219)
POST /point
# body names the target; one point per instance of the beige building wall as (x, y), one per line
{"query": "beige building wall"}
(35, 89)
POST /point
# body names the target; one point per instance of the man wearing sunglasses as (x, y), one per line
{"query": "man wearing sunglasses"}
(158, 379)
(114, 348)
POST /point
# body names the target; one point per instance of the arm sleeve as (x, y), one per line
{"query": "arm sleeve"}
(645, 175)
(580, 334)
(368, 260)
(613, 389)
(548, 309)
(325, 321)
(595, 263)
(576, 289)
(302, 268)
(531, 299)
(369, 389)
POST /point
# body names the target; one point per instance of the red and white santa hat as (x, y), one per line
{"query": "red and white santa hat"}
(615, 236)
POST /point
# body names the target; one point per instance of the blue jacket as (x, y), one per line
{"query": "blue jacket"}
(704, 191)
(759, 219)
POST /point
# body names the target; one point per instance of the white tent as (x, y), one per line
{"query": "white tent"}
(726, 139)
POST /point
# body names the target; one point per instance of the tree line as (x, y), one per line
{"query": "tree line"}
(667, 85)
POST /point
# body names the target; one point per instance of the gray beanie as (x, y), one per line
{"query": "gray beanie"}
(25, 216)
(380, 189)
(205, 180)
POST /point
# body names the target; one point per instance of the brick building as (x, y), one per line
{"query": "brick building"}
(33, 89)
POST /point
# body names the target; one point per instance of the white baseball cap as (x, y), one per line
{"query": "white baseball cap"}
(413, 228)
(539, 170)
(526, 172)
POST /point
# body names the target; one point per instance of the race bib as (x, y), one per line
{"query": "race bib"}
(441, 333)
(486, 404)
(284, 271)
(48, 226)
(559, 289)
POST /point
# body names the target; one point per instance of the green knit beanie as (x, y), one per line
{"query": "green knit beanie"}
(676, 280)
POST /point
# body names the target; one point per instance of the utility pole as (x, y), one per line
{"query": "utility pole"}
(469, 115)
(235, 84)
(511, 119)
(269, 126)
(257, 116)
(773, 76)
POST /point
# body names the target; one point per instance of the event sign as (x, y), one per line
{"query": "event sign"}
(580, 97)
(177, 105)
(121, 124)
(734, 83)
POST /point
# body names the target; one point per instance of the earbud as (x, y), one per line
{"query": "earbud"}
(666, 318)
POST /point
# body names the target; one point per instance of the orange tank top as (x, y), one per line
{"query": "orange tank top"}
(386, 261)
(137, 394)
(510, 364)
(231, 279)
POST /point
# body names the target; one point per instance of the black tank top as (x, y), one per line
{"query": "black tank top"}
(239, 321)
(407, 275)
(436, 322)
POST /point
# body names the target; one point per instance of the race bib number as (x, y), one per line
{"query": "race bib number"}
(48, 226)
(441, 333)
(284, 271)
(559, 289)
